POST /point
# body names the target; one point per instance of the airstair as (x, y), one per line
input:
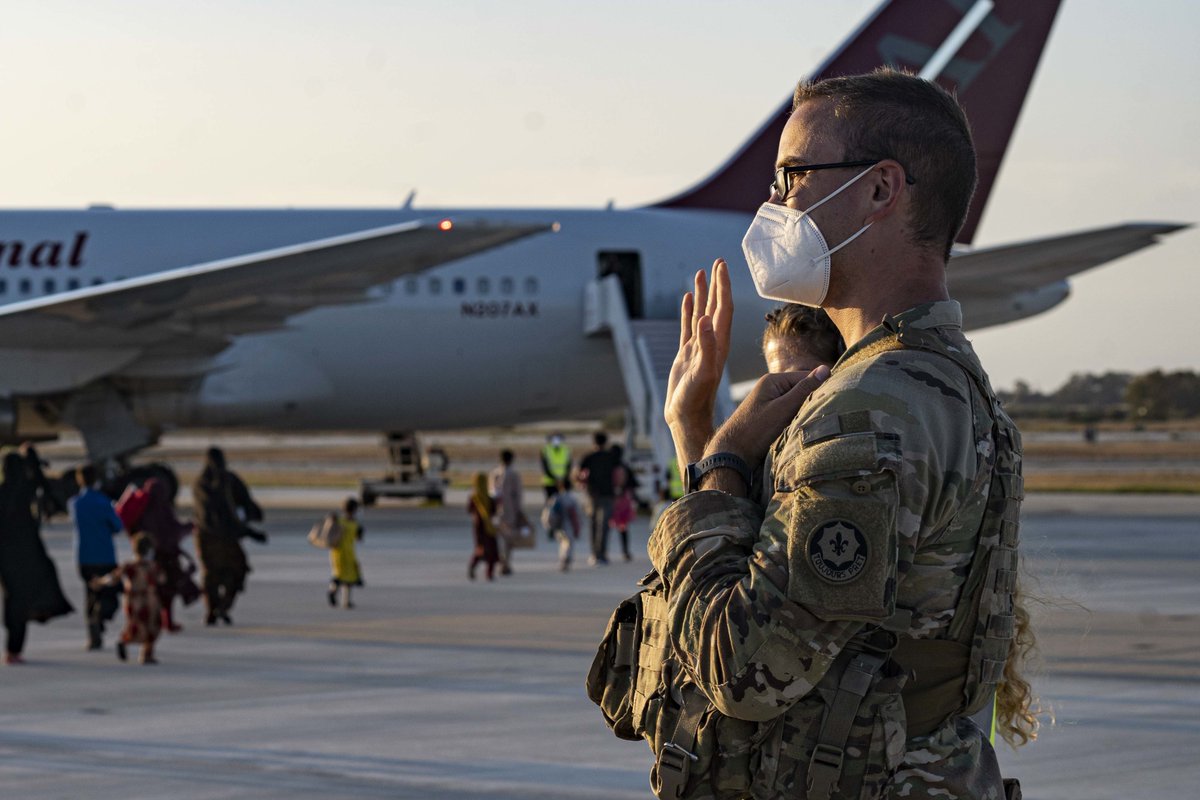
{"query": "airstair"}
(645, 350)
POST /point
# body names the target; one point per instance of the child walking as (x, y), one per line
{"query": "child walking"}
(343, 560)
(143, 611)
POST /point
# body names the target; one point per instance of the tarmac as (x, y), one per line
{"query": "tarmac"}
(438, 687)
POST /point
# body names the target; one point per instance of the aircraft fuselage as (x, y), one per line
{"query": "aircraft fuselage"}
(492, 339)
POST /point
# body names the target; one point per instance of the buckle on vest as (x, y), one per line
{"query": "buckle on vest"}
(674, 764)
(824, 770)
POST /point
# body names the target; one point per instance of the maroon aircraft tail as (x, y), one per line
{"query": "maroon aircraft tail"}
(991, 72)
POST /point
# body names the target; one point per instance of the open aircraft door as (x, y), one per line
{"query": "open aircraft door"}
(627, 266)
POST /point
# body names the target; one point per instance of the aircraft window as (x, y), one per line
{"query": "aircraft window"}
(460, 286)
(48, 286)
(73, 283)
(411, 286)
(26, 286)
(97, 281)
(435, 285)
(531, 285)
(483, 286)
(506, 286)
(3, 286)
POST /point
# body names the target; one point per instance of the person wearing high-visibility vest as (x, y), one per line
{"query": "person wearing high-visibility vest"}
(674, 480)
(556, 464)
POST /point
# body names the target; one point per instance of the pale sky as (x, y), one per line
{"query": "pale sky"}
(544, 103)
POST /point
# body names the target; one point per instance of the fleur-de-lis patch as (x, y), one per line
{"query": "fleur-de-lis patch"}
(838, 551)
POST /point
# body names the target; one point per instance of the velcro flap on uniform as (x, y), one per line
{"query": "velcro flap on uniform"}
(1006, 581)
(1000, 626)
(991, 670)
(1013, 485)
(839, 456)
(1010, 533)
(654, 606)
(820, 429)
(831, 425)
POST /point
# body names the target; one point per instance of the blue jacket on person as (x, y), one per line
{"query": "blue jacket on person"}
(96, 522)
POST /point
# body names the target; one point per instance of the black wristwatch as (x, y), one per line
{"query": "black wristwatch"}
(693, 473)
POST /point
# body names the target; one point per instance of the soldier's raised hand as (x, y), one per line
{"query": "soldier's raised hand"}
(705, 320)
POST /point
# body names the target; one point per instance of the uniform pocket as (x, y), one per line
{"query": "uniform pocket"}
(872, 754)
(842, 546)
(610, 681)
(720, 761)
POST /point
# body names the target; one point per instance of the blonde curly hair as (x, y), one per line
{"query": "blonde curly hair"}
(1017, 708)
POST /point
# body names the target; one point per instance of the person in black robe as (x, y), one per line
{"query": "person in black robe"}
(223, 510)
(29, 579)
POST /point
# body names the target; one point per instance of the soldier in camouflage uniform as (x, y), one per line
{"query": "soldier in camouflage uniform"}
(890, 485)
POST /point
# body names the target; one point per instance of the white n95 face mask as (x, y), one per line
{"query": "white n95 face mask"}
(788, 258)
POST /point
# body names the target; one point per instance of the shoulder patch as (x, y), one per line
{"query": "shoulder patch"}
(838, 551)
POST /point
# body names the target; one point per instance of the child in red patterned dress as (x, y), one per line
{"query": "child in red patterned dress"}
(139, 579)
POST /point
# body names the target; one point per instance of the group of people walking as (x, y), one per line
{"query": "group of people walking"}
(499, 523)
(159, 571)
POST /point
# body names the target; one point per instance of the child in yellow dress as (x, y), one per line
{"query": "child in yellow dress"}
(342, 559)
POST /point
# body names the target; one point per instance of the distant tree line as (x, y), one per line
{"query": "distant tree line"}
(1153, 396)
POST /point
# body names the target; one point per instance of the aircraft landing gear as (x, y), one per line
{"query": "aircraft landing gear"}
(413, 472)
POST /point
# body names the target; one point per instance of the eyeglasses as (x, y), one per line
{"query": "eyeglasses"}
(783, 183)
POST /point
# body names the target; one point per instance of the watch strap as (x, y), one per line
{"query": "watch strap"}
(698, 469)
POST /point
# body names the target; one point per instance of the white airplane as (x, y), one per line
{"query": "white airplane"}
(122, 324)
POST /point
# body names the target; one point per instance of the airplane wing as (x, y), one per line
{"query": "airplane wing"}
(171, 323)
(1024, 266)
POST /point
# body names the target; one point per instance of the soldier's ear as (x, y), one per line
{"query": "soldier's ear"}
(887, 182)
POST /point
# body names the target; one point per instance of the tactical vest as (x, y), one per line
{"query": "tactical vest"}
(881, 673)
(558, 458)
(957, 675)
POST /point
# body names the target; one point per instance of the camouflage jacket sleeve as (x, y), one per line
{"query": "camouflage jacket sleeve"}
(763, 600)
(747, 645)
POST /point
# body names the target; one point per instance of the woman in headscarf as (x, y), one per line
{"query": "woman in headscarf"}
(166, 533)
(27, 575)
(223, 506)
(482, 507)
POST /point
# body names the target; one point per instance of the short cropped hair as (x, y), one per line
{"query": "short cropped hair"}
(350, 506)
(810, 328)
(893, 114)
(600, 438)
